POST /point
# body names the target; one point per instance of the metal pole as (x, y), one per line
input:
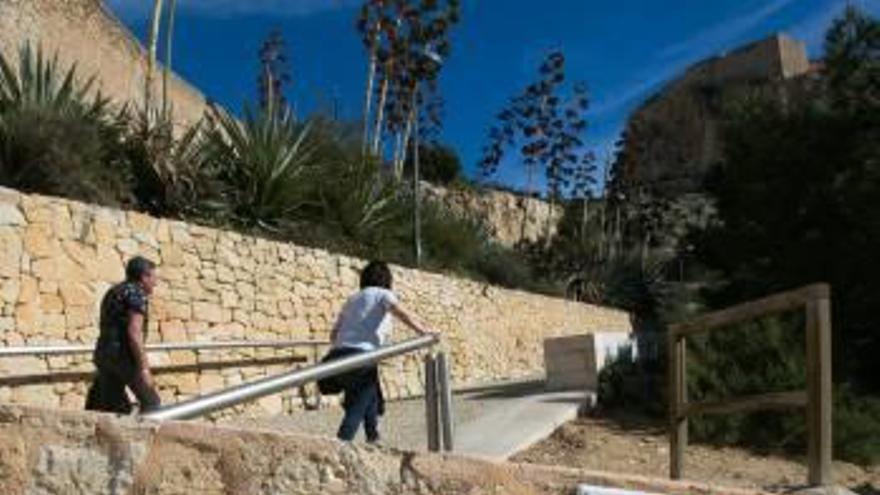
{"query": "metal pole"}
(229, 397)
(445, 389)
(56, 350)
(417, 220)
(431, 410)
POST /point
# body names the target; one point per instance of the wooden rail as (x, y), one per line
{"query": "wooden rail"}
(815, 300)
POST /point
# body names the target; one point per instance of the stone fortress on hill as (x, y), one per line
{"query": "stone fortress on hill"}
(672, 139)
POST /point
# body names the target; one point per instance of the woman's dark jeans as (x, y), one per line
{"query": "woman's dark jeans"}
(361, 405)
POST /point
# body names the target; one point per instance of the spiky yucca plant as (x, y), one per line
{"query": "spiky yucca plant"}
(56, 134)
(357, 199)
(260, 159)
(38, 82)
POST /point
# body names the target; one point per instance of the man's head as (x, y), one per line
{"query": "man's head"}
(376, 274)
(141, 271)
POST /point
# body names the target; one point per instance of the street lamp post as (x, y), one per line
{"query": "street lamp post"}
(430, 54)
(417, 220)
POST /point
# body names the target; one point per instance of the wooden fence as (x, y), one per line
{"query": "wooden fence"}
(816, 301)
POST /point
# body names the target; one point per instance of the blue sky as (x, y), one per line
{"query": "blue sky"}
(623, 49)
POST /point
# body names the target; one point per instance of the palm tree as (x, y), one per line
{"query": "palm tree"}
(152, 47)
(169, 43)
(368, 24)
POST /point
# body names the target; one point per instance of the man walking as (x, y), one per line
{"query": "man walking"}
(120, 356)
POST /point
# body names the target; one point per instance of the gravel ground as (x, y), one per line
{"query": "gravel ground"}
(633, 446)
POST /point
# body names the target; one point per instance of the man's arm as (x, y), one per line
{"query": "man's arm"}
(136, 342)
(409, 319)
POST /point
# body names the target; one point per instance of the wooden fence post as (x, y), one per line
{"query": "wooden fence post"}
(819, 398)
(677, 387)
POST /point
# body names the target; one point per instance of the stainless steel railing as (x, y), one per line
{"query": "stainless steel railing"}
(199, 406)
(437, 383)
(61, 350)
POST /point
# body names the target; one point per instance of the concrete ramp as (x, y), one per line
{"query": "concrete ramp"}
(492, 422)
(514, 417)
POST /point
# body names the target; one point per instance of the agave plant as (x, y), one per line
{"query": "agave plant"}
(39, 83)
(628, 281)
(357, 199)
(260, 159)
(168, 175)
(56, 134)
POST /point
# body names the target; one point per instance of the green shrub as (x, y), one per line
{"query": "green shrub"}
(438, 164)
(633, 385)
(451, 240)
(499, 265)
(768, 355)
(856, 427)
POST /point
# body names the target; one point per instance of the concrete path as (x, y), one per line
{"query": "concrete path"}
(491, 422)
(514, 418)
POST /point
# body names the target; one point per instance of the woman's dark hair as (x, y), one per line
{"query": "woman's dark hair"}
(376, 274)
(137, 267)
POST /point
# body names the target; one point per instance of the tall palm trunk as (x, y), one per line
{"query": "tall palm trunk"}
(585, 218)
(152, 47)
(169, 44)
(551, 207)
(530, 171)
(398, 146)
(404, 144)
(368, 94)
(380, 109)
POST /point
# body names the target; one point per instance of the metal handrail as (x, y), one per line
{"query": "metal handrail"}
(245, 392)
(60, 350)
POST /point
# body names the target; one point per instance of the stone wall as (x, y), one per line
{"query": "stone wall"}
(85, 33)
(73, 453)
(510, 218)
(60, 256)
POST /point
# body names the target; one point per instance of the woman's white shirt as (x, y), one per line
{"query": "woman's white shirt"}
(364, 322)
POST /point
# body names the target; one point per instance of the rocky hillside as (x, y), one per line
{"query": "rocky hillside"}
(673, 139)
(510, 218)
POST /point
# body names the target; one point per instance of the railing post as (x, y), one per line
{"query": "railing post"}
(677, 391)
(819, 399)
(432, 423)
(445, 390)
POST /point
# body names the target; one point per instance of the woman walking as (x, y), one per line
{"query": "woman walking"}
(364, 325)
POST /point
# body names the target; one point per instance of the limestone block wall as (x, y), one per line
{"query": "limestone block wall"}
(84, 32)
(59, 257)
(64, 453)
(510, 218)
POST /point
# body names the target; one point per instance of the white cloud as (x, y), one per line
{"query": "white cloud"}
(226, 8)
(725, 31)
(673, 59)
